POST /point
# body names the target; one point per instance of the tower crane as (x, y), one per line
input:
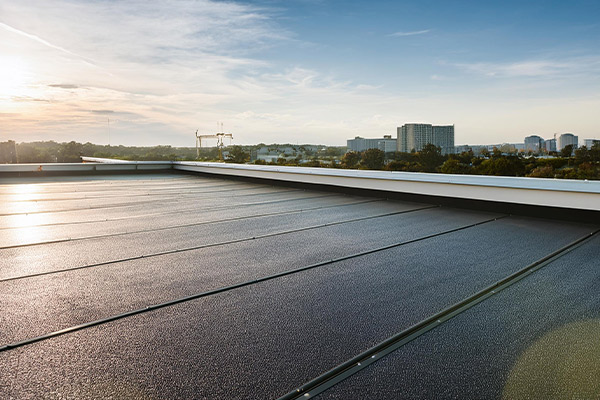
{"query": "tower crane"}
(219, 136)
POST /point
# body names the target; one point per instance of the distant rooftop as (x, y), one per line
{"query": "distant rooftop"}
(219, 281)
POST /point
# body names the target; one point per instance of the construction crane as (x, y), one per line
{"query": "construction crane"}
(219, 136)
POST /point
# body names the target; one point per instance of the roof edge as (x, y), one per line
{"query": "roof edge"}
(569, 194)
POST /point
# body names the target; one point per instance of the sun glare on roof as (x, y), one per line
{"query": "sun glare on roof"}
(24, 207)
(23, 222)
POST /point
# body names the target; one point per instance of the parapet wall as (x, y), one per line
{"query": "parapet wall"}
(494, 192)
(571, 194)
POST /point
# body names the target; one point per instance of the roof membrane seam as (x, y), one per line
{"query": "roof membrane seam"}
(375, 353)
(227, 288)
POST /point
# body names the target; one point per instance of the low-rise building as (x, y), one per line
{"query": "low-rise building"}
(360, 144)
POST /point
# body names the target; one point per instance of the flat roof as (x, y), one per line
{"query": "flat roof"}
(191, 286)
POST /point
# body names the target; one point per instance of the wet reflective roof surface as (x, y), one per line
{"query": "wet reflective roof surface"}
(173, 286)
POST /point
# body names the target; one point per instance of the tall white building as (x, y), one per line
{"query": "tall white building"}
(589, 143)
(566, 139)
(416, 136)
(534, 143)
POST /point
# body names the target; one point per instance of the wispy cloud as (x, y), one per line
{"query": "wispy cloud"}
(64, 86)
(42, 41)
(533, 68)
(168, 63)
(412, 33)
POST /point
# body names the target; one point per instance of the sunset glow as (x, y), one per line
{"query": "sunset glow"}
(300, 72)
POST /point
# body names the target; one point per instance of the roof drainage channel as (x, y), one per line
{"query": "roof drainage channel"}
(225, 289)
(368, 357)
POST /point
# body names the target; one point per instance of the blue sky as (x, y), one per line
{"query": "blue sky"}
(296, 71)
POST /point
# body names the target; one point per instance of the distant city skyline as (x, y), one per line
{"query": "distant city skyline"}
(298, 71)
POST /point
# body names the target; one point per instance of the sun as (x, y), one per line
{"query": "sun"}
(15, 77)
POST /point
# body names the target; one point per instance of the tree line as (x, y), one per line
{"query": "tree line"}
(582, 163)
(69, 152)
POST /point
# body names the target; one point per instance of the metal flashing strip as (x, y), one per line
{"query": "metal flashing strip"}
(87, 167)
(559, 193)
(153, 307)
(375, 353)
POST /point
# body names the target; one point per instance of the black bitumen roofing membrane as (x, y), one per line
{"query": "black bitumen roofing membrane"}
(174, 286)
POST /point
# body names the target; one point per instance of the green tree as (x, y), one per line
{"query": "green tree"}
(70, 152)
(351, 159)
(587, 171)
(567, 151)
(502, 166)
(398, 165)
(430, 157)
(313, 163)
(372, 159)
(545, 171)
(595, 152)
(237, 155)
(582, 155)
(453, 166)
(8, 152)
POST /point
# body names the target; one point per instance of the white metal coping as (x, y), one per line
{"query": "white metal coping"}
(562, 193)
(90, 164)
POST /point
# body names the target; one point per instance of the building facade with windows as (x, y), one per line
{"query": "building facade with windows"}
(550, 145)
(416, 136)
(360, 144)
(565, 140)
(534, 144)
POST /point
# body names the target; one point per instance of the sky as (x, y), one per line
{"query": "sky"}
(296, 71)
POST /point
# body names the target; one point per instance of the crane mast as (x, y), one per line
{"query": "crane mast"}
(219, 136)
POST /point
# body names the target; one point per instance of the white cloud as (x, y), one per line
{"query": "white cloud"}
(37, 39)
(534, 68)
(167, 68)
(413, 33)
(169, 62)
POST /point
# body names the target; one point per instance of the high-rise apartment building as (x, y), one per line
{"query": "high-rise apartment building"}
(589, 143)
(567, 139)
(550, 145)
(534, 144)
(416, 136)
